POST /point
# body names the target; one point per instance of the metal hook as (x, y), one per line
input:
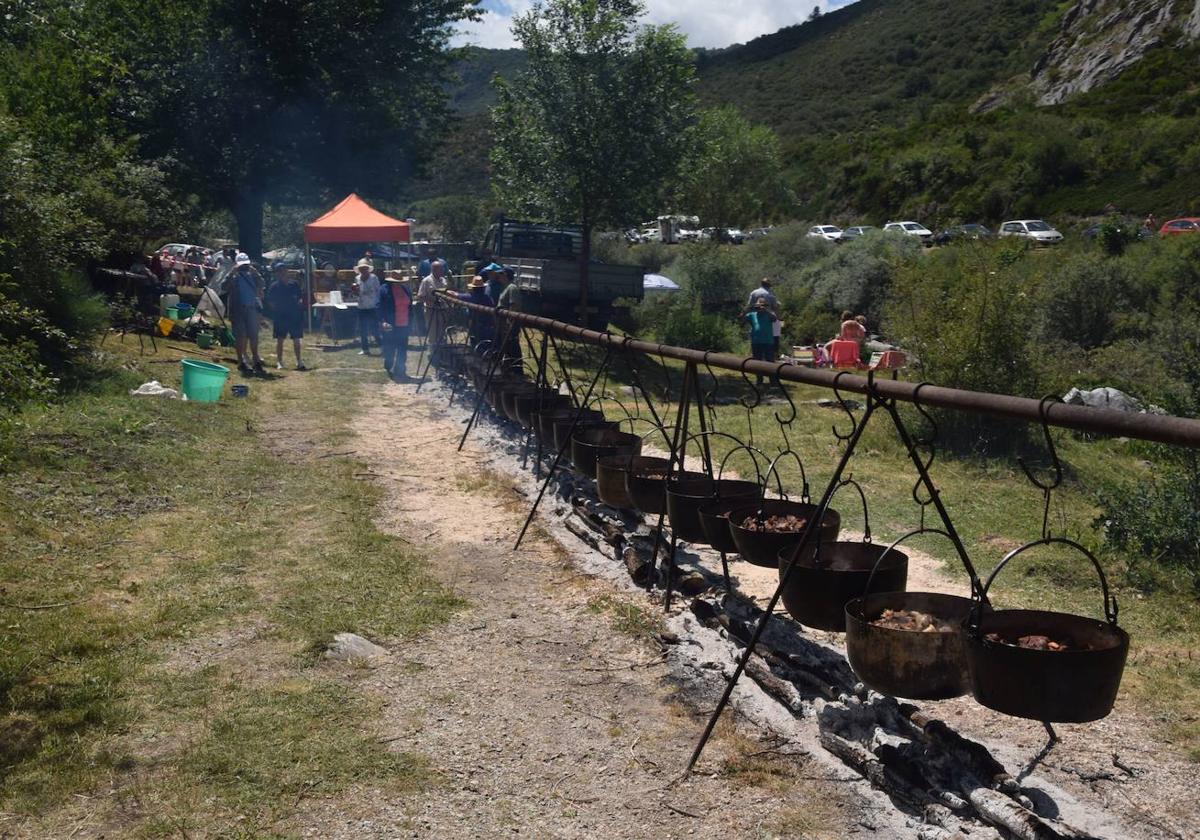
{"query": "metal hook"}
(786, 396)
(923, 441)
(842, 402)
(757, 394)
(1057, 464)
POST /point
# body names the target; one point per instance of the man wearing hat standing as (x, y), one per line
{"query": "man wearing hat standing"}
(368, 306)
(395, 306)
(481, 327)
(245, 307)
(493, 273)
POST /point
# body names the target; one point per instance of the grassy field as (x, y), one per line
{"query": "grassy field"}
(140, 534)
(992, 506)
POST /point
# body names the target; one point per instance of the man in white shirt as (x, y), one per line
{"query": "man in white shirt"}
(433, 282)
(368, 307)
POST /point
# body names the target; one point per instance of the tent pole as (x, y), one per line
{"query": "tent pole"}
(308, 286)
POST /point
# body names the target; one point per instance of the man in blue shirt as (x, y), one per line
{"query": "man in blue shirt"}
(244, 307)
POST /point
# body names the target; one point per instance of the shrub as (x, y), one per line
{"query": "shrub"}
(857, 275)
(1157, 520)
(687, 325)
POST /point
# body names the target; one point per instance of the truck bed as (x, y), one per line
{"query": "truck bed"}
(559, 280)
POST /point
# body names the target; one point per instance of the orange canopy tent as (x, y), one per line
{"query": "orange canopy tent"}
(353, 220)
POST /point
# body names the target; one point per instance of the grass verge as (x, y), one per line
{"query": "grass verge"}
(169, 570)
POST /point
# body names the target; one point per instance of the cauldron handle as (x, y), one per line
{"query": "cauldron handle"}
(1110, 601)
(821, 516)
(772, 468)
(701, 436)
(656, 428)
(892, 547)
(754, 453)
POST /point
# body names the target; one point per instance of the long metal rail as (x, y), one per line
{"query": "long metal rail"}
(1177, 431)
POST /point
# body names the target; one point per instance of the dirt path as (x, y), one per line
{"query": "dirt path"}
(542, 705)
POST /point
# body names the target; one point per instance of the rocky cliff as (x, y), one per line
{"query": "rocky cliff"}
(1097, 39)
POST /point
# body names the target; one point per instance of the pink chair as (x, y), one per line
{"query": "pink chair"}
(845, 355)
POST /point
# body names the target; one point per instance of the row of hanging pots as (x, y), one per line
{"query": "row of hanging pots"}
(1036, 664)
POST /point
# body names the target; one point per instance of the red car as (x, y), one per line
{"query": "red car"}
(1188, 224)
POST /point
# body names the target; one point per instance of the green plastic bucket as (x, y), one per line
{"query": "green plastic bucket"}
(203, 381)
(204, 340)
(173, 313)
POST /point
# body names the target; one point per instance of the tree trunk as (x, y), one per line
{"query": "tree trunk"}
(585, 259)
(248, 212)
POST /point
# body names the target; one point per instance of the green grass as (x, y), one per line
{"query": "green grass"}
(132, 529)
(629, 618)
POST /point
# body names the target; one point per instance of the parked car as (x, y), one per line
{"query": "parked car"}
(857, 231)
(759, 233)
(911, 229)
(1186, 224)
(831, 233)
(967, 231)
(651, 234)
(1034, 230)
(1139, 232)
(734, 236)
(633, 236)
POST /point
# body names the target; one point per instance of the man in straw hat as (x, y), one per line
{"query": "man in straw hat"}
(395, 307)
(368, 306)
(481, 327)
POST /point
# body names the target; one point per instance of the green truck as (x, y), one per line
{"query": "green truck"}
(546, 259)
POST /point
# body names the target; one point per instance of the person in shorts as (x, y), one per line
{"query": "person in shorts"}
(245, 307)
(285, 302)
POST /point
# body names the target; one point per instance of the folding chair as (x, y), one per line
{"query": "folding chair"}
(845, 355)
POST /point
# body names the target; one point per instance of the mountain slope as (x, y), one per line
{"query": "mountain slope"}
(875, 63)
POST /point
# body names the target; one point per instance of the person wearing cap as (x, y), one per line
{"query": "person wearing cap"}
(762, 339)
(285, 302)
(395, 307)
(480, 327)
(493, 273)
(245, 307)
(368, 306)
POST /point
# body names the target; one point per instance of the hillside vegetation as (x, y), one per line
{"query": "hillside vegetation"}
(928, 109)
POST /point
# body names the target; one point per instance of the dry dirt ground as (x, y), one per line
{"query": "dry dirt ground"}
(542, 706)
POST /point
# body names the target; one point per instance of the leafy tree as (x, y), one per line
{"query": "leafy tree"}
(593, 129)
(733, 172)
(283, 101)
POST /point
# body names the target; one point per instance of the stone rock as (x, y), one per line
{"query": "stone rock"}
(350, 647)
(1109, 398)
(692, 583)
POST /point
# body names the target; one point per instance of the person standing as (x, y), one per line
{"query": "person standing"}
(481, 326)
(285, 302)
(425, 266)
(368, 306)
(395, 307)
(245, 307)
(432, 283)
(762, 338)
(763, 292)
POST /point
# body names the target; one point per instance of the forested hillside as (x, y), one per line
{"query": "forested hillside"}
(936, 108)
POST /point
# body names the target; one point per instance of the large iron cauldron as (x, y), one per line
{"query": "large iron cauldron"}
(547, 420)
(687, 492)
(762, 547)
(824, 580)
(908, 663)
(714, 521)
(646, 482)
(591, 444)
(611, 472)
(545, 399)
(1065, 686)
